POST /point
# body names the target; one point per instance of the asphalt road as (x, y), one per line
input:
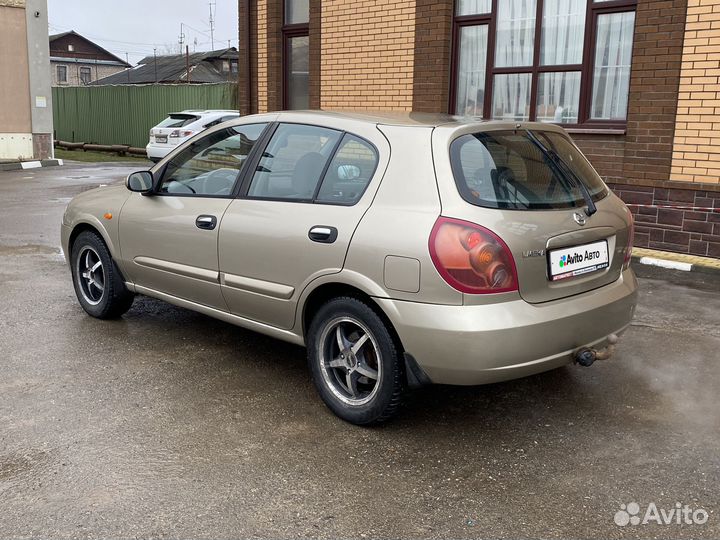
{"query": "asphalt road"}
(167, 423)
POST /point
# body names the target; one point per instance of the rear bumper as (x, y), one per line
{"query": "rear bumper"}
(469, 345)
(158, 152)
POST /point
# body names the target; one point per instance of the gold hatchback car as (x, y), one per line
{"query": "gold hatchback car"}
(401, 250)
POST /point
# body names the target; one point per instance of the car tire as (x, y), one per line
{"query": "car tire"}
(363, 380)
(99, 286)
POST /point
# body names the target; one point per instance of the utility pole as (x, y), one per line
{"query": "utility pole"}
(212, 27)
(127, 59)
(155, 57)
(187, 62)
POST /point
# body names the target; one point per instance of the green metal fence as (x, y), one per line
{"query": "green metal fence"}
(125, 114)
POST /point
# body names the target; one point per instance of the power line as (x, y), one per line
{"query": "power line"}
(60, 29)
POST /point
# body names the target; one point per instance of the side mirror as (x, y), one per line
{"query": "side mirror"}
(348, 172)
(140, 182)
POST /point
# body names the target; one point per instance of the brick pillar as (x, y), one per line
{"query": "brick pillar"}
(433, 40)
(315, 34)
(274, 55)
(696, 155)
(245, 73)
(656, 60)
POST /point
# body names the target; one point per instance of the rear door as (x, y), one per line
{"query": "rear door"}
(500, 179)
(297, 213)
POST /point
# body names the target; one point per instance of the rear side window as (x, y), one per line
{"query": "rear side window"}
(506, 169)
(178, 120)
(293, 162)
(349, 172)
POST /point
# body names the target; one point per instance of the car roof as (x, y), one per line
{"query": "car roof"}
(379, 117)
(414, 119)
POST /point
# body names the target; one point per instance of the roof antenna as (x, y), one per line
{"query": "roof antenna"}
(212, 26)
(181, 37)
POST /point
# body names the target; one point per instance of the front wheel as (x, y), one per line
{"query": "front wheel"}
(99, 286)
(355, 362)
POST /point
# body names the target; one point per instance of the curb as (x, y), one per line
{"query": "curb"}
(20, 165)
(663, 261)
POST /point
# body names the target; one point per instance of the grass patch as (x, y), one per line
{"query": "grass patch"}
(94, 157)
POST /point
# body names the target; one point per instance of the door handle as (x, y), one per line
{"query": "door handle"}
(206, 222)
(323, 234)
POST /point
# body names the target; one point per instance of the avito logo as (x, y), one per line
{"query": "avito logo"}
(575, 258)
(630, 514)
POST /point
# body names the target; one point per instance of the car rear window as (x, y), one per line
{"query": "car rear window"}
(177, 121)
(506, 169)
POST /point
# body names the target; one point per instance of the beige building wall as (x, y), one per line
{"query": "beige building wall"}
(696, 151)
(15, 114)
(367, 55)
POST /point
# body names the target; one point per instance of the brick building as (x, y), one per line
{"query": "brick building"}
(635, 82)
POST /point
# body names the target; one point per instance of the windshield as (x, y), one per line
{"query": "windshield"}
(506, 169)
(177, 121)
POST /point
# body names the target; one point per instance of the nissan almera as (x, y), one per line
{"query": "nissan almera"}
(399, 250)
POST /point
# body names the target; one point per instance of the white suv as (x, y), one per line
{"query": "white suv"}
(179, 127)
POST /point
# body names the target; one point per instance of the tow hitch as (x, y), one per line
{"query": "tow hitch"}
(586, 356)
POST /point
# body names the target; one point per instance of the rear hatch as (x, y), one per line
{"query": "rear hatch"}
(172, 125)
(534, 189)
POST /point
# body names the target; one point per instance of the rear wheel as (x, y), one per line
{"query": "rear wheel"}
(98, 284)
(355, 363)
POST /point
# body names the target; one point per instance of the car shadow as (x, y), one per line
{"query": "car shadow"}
(265, 364)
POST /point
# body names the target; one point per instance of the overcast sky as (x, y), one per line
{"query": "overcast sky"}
(137, 26)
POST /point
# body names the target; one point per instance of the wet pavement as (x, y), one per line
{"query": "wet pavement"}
(167, 423)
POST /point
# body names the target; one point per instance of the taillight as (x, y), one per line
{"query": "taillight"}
(471, 258)
(181, 133)
(629, 246)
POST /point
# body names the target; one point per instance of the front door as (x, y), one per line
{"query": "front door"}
(168, 239)
(294, 219)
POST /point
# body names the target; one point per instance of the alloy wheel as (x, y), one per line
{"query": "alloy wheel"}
(90, 275)
(349, 360)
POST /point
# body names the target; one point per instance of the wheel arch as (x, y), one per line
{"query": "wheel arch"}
(336, 288)
(83, 226)
(91, 226)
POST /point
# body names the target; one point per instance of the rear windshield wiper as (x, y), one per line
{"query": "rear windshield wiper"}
(565, 172)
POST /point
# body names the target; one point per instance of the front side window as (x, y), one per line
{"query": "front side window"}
(537, 66)
(506, 169)
(296, 54)
(62, 74)
(293, 162)
(211, 165)
(85, 75)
